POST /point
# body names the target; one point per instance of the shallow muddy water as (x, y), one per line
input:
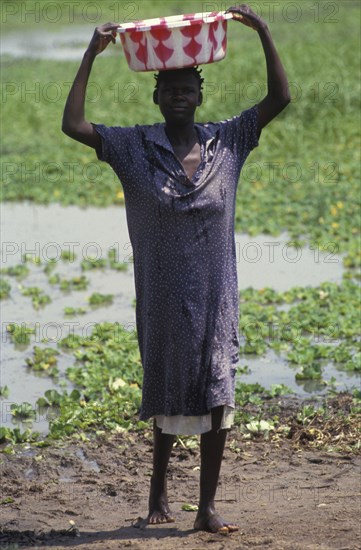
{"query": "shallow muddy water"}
(63, 44)
(44, 231)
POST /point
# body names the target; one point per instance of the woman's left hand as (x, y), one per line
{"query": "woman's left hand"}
(244, 14)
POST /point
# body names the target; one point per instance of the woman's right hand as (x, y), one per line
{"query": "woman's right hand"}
(103, 35)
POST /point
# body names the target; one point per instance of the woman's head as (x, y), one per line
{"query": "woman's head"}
(178, 93)
(162, 76)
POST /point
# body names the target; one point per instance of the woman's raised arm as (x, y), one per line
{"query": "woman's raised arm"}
(74, 124)
(278, 95)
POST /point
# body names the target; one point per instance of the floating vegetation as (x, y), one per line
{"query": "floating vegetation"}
(4, 391)
(19, 271)
(50, 266)
(97, 299)
(75, 283)
(5, 288)
(23, 411)
(38, 297)
(20, 334)
(51, 398)
(14, 436)
(44, 360)
(114, 262)
(31, 258)
(107, 375)
(96, 263)
(68, 255)
(321, 322)
(75, 311)
(310, 372)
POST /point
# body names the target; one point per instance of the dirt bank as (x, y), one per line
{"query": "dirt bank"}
(284, 495)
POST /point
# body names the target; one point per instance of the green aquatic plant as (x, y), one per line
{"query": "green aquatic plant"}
(54, 279)
(5, 288)
(68, 255)
(15, 436)
(38, 296)
(90, 264)
(319, 323)
(98, 299)
(50, 266)
(310, 372)
(354, 364)
(19, 271)
(44, 360)
(23, 411)
(260, 426)
(53, 398)
(75, 283)
(31, 258)
(189, 507)
(308, 413)
(4, 391)
(279, 389)
(114, 262)
(107, 375)
(20, 334)
(75, 311)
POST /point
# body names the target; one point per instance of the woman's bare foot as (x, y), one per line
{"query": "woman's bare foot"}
(160, 516)
(211, 521)
(159, 511)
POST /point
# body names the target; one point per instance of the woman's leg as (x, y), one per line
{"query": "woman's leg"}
(158, 499)
(212, 447)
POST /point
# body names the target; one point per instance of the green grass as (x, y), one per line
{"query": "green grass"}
(304, 176)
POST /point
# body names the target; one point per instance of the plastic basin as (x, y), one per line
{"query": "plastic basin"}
(175, 42)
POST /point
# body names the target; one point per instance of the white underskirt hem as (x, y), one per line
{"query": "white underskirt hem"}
(193, 425)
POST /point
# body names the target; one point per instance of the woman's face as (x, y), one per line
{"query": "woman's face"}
(178, 96)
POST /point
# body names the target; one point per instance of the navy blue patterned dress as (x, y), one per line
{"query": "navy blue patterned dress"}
(182, 234)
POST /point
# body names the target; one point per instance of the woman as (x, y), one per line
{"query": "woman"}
(180, 179)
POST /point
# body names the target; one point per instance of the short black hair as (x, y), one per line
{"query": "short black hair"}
(192, 70)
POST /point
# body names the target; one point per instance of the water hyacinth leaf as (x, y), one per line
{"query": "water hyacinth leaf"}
(23, 411)
(98, 299)
(5, 288)
(4, 391)
(68, 255)
(279, 389)
(52, 397)
(75, 283)
(96, 263)
(116, 384)
(7, 500)
(38, 296)
(257, 426)
(354, 364)
(50, 266)
(310, 372)
(19, 271)
(114, 263)
(44, 359)
(20, 334)
(75, 311)
(31, 258)
(74, 395)
(189, 507)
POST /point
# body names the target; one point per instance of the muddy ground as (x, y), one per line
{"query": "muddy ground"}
(284, 493)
